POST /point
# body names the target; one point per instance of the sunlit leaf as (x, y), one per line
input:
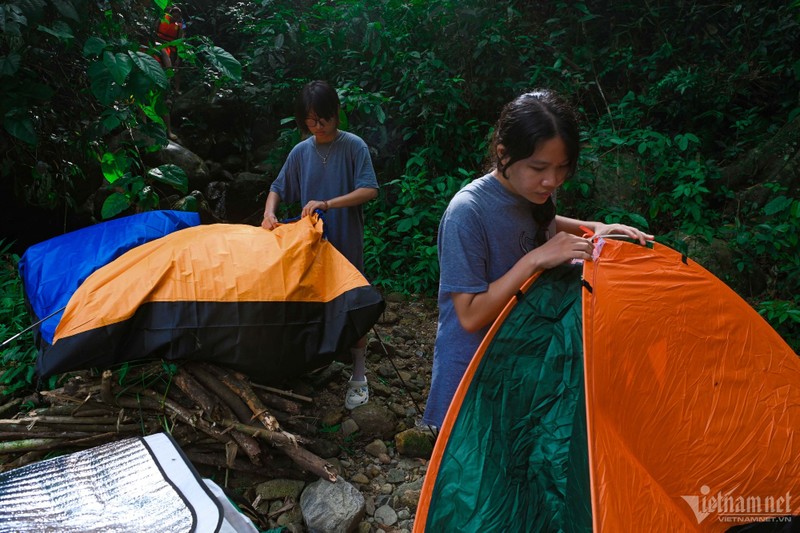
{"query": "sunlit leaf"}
(113, 166)
(171, 175)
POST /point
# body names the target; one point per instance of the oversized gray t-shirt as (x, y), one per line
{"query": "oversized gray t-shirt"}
(348, 167)
(485, 230)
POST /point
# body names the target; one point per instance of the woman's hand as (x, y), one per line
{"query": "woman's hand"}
(270, 221)
(601, 229)
(312, 206)
(560, 249)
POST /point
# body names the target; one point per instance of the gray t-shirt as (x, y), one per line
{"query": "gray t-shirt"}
(348, 167)
(485, 230)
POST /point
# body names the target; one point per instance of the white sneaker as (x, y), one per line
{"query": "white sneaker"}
(357, 394)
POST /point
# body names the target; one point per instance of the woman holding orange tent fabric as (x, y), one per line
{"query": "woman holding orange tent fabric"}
(502, 228)
(331, 170)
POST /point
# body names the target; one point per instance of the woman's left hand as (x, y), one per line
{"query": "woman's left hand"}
(622, 229)
(313, 205)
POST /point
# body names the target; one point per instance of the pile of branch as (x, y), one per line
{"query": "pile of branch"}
(215, 414)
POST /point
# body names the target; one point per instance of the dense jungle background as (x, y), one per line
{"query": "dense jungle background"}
(690, 121)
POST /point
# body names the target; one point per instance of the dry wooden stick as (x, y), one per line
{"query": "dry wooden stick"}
(288, 445)
(288, 394)
(215, 410)
(276, 402)
(240, 465)
(24, 459)
(13, 404)
(191, 418)
(10, 433)
(228, 397)
(86, 410)
(238, 384)
(105, 388)
(27, 445)
(78, 395)
(45, 420)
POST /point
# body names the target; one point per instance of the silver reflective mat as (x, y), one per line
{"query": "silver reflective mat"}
(134, 485)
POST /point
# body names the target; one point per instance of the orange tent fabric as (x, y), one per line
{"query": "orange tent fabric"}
(683, 418)
(693, 400)
(268, 303)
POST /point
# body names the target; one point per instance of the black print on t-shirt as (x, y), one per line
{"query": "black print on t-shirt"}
(526, 243)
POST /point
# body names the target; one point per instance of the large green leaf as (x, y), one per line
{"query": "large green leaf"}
(66, 8)
(150, 67)
(119, 65)
(102, 83)
(114, 205)
(777, 204)
(114, 166)
(224, 62)
(20, 127)
(171, 175)
(60, 30)
(94, 46)
(9, 65)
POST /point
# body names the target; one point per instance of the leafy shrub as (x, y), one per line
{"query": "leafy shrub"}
(18, 357)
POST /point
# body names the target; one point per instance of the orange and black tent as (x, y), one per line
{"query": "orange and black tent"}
(271, 304)
(634, 393)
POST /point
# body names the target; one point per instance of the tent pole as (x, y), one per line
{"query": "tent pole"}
(405, 387)
(32, 326)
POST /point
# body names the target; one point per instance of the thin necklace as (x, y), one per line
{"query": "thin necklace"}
(328, 153)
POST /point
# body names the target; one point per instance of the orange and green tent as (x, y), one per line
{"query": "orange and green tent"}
(271, 304)
(636, 392)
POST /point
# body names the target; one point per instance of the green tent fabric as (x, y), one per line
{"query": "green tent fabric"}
(529, 396)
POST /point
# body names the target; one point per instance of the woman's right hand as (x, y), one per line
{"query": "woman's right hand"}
(560, 249)
(270, 221)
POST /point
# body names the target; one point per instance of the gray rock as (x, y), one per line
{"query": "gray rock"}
(332, 507)
(379, 389)
(396, 475)
(323, 448)
(292, 516)
(369, 503)
(278, 489)
(407, 494)
(350, 426)
(385, 515)
(191, 163)
(374, 420)
(376, 448)
(414, 442)
(360, 478)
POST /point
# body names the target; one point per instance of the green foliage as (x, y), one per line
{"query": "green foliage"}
(670, 96)
(18, 357)
(401, 231)
(78, 77)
